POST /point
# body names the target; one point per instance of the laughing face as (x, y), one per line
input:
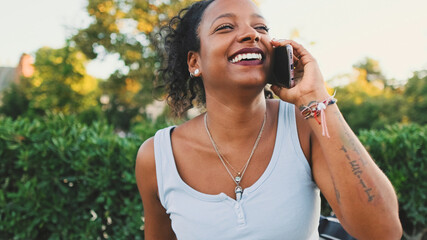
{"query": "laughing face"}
(235, 45)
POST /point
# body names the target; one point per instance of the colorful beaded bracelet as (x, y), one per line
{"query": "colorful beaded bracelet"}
(314, 109)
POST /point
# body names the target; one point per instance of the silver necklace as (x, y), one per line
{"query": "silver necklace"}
(237, 179)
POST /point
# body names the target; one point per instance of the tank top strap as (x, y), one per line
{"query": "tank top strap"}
(162, 151)
(287, 110)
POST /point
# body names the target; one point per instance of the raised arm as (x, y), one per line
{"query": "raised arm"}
(357, 190)
(157, 222)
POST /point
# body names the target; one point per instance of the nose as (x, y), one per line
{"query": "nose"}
(249, 34)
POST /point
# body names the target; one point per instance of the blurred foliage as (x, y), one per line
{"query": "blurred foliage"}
(59, 84)
(14, 101)
(416, 97)
(372, 69)
(369, 101)
(365, 105)
(401, 152)
(147, 128)
(61, 179)
(130, 30)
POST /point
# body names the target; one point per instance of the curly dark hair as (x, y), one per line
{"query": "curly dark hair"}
(180, 36)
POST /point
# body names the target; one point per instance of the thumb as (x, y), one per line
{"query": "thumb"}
(281, 92)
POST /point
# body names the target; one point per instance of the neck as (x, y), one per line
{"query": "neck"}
(235, 120)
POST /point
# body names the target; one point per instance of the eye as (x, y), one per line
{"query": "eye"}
(263, 28)
(223, 27)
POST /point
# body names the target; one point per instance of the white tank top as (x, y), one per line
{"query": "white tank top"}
(283, 203)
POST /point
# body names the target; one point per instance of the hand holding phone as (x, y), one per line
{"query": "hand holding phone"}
(282, 71)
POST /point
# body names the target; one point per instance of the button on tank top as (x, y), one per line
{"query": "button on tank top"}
(284, 203)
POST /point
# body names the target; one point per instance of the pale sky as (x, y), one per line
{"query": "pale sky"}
(394, 32)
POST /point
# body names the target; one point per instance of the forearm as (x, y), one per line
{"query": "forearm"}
(365, 197)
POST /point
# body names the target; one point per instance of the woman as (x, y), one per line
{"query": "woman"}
(251, 168)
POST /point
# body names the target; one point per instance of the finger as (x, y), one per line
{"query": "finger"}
(299, 51)
(298, 74)
(283, 93)
(295, 58)
(279, 42)
(296, 63)
(298, 48)
(283, 42)
(277, 90)
(298, 78)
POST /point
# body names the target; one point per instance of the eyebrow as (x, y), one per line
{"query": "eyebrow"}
(232, 15)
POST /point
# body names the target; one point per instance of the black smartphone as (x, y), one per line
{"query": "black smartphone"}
(282, 71)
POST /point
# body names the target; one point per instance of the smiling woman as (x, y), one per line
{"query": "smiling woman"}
(251, 167)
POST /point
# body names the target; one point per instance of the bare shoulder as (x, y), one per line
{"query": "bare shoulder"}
(145, 166)
(145, 156)
(188, 131)
(157, 221)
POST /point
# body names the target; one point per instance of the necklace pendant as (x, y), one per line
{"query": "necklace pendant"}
(238, 179)
(238, 190)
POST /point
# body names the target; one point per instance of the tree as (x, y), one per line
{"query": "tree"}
(370, 104)
(416, 97)
(129, 29)
(14, 101)
(60, 82)
(373, 70)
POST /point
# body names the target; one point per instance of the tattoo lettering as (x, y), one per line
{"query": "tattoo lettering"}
(363, 183)
(337, 195)
(370, 197)
(349, 140)
(357, 171)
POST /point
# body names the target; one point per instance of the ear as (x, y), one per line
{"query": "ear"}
(193, 62)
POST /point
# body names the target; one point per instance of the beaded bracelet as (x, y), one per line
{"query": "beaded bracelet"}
(314, 109)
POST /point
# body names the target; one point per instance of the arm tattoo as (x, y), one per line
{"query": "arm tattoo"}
(357, 171)
(337, 193)
(354, 162)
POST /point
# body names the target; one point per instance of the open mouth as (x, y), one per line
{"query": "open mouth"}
(247, 56)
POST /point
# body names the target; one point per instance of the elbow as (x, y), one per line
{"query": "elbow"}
(397, 230)
(392, 233)
(381, 227)
(392, 227)
(390, 230)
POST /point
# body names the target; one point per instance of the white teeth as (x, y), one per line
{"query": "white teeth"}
(248, 56)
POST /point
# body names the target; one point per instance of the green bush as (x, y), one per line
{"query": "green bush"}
(401, 152)
(61, 179)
